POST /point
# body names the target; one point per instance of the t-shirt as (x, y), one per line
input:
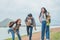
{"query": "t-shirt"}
(29, 20)
(43, 17)
(48, 23)
(17, 26)
(32, 21)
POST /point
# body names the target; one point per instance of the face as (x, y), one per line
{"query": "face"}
(42, 10)
(29, 17)
(19, 21)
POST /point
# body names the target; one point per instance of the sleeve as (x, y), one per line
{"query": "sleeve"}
(34, 23)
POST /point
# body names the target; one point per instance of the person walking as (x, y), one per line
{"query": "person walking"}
(30, 23)
(17, 27)
(43, 21)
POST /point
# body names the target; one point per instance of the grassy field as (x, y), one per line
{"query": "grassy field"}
(53, 36)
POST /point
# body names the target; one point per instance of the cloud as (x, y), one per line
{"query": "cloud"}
(21, 8)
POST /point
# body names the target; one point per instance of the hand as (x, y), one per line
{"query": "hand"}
(28, 23)
(35, 28)
(16, 32)
(40, 20)
(46, 20)
(8, 32)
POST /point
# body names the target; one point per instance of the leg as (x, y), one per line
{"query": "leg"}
(47, 33)
(18, 35)
(43, 30)
(30, 33)
(27, 30)
(10, 30)
(13, 35)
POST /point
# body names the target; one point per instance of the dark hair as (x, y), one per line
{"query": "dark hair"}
(17, 20)
(44, 9)
(30, 15)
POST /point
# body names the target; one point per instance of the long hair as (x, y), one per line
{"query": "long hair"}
(45, 11)
(17, 20)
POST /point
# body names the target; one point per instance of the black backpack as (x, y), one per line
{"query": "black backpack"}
(11, 24)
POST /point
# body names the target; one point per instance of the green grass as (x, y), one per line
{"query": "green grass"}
(54, 36)
(15, 38)
(11, 39)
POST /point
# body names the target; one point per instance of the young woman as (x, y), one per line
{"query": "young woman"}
(42, 19)
(30, 22)
(17, 27)
(48, 21)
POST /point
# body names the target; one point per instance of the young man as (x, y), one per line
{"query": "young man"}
(30, 23)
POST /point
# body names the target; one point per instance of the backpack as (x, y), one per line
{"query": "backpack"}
(11, 24)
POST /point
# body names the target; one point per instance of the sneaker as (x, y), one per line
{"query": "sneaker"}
(47, 39)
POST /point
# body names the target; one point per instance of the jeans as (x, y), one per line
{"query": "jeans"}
(47, 33)
(29, 32)
(12, 32)
(18, 34)
(45, 29)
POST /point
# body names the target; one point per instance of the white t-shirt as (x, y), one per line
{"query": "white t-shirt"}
(43, 17)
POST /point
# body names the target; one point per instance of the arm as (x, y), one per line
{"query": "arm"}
(49, 17)
(40, 18)
(34, 24)
(26, 21)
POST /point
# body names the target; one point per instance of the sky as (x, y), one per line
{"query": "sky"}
(15, 9)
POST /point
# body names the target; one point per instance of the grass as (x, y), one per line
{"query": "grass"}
(15, 38)
(54, 36)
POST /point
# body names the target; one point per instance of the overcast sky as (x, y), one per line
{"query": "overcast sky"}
(15, 9)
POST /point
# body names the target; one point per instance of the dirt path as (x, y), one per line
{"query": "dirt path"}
(37, 36)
